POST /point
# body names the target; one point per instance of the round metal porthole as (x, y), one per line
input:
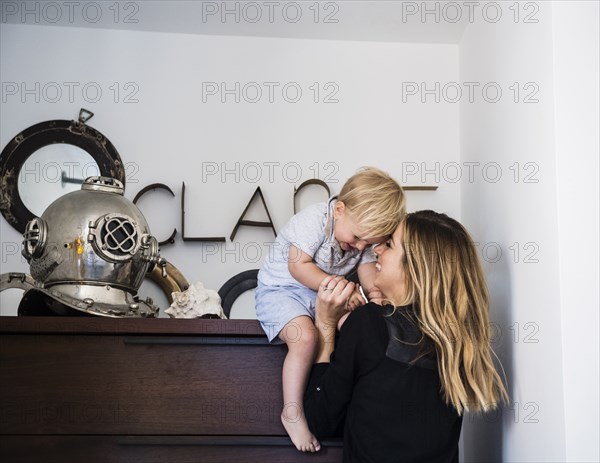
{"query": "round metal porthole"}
(57, 134)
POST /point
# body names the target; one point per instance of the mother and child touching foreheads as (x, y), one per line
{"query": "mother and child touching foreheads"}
(392, 362)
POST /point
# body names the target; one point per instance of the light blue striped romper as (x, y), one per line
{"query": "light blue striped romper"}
(279, 297)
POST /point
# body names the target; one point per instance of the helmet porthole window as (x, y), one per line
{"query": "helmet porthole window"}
(115, 237)
(34, 238)
(119, 236)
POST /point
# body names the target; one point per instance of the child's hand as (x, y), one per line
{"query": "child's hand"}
(355, 301)
(375, 295)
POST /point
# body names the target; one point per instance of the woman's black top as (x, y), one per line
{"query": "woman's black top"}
(387, 409)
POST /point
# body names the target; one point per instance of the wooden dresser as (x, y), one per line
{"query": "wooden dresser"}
(92, 389)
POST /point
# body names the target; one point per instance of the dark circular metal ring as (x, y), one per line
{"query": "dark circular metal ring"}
(18, 150)
(235, 287)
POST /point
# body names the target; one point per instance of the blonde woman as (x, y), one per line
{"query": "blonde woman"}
(403, 374)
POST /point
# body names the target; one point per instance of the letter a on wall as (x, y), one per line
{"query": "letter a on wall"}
(253, 223)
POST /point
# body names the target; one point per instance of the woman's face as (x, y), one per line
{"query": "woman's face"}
(391, 277)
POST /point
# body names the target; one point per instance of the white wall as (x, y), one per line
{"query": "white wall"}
(170, 135)
(576, 114)
(535, 320)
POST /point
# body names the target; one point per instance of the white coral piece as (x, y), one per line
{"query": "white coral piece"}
(195, 302)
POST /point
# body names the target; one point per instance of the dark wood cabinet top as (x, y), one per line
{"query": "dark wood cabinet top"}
(131, 326)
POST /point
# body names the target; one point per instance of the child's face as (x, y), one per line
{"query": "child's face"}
(348, 233)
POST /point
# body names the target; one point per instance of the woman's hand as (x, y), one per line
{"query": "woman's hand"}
(332, 299)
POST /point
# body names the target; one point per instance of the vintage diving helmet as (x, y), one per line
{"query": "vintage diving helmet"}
(90, 251)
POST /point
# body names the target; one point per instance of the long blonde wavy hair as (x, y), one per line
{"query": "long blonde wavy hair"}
(446, 286)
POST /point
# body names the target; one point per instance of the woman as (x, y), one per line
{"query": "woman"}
(402, 374)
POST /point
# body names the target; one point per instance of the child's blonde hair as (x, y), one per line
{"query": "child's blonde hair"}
(374, 200)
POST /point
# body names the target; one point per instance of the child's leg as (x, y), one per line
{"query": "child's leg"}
(300, 337)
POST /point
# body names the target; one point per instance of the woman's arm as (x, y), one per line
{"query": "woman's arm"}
(331, 384)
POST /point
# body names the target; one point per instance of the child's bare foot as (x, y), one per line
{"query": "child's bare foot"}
(297, 428)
